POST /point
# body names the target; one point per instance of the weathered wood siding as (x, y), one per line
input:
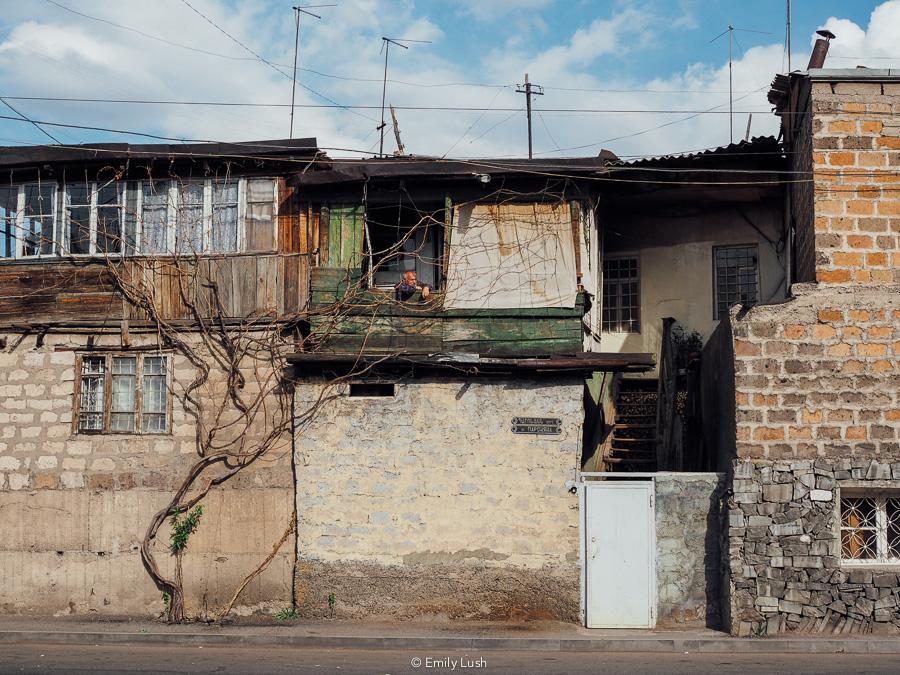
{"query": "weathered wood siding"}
(49, 292)
(347, 318)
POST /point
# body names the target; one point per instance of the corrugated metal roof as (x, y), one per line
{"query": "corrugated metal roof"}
(758, 145)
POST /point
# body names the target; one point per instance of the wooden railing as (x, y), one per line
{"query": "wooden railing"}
(665, 401)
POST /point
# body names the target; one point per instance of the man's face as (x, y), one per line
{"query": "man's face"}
(411, 278)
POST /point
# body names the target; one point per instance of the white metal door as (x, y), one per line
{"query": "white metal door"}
(619, 554)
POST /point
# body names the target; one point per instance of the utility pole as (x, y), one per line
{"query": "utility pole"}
(386, 43)
(529, 90)
(297, 11)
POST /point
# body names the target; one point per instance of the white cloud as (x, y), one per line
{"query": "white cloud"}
(54, 53)
(491, 10)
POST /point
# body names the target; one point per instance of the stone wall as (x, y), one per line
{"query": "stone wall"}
(689, 567)
(817, 397)
(786, 568)
(856, 155)
(425, 503)
(76, 506)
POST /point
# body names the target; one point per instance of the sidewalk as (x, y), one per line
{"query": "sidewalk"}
(528, 636)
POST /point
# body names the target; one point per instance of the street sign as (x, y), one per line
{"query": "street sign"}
(544, 426)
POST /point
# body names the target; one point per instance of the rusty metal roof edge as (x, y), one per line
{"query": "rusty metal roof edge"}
(756, 145)
(473, 364)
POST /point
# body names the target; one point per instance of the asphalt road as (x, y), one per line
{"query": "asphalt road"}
(77, 659)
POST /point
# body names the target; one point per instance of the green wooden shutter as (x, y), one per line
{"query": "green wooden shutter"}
(345, 236)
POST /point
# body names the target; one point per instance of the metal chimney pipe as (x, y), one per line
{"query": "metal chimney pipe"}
(820, 49)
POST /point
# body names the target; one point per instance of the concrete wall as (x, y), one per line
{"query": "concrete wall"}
(426, 503)
(75, 506)
(676, 260)
(689, 565)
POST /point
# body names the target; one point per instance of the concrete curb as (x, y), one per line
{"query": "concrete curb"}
(655, 644)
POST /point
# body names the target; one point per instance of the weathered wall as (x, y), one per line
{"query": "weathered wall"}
(856, 154)
(76, 506)
(675, 253)
(427, 503)
(689, 561)
(817, 404)
(786, 568)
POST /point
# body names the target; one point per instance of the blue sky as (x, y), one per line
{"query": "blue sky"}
(647, 57)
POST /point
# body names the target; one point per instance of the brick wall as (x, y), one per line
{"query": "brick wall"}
(856, 162)
(817, 398)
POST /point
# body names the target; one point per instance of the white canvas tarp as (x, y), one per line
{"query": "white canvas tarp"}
(511, 256)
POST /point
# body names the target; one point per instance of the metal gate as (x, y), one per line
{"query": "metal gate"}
(619, 553)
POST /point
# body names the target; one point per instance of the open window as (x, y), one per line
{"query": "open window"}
(402, 238)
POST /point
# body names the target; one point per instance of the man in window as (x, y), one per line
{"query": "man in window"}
(409, 286)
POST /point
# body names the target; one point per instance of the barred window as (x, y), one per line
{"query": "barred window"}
(736, 277)
(123, 393)
(621, 296)
(870, 529)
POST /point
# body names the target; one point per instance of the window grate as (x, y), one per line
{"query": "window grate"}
(736, 277)
(621, 296)
(870, 529)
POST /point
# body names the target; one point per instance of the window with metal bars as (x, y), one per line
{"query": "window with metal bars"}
(123, 393)
(621, 296)
(736, 277)
(870, 529)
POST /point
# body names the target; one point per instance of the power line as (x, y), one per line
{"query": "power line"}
(31, 121)
(267, 62)
(249, 104)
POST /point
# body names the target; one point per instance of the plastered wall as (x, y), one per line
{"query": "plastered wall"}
(427, 503)
(675, 254)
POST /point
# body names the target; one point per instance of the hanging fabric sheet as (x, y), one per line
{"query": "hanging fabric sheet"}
(511, 256)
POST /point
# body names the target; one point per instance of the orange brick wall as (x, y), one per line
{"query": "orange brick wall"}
(856, 164)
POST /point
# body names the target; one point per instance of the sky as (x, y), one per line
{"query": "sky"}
(638, 77)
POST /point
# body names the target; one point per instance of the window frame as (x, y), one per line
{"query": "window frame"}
(20, 223)
(436, 230)
(715, 274)
(131, 243)
(94, 218)
(603, 281)
(106, 427)
(882, 545)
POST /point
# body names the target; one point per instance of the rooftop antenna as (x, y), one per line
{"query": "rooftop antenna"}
(297, 10)
(386, 43)
(789, 35)
(730, 30)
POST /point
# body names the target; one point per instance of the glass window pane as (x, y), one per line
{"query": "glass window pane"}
(189, 219)
(9, 198)
(223, 235)
(621, 296)
(154, 217)
(90, 415)
(109, 218)
(78, 215)
(736, 275)
(130, 218)
(122, 394)
(155, 408)
(38, 234)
